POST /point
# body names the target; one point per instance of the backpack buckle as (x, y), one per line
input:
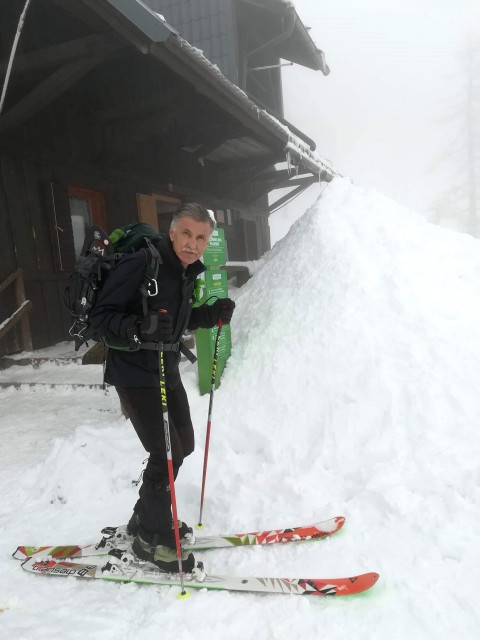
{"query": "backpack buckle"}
(152, 282)
(78, 328)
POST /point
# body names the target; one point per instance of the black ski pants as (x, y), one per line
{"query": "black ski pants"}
(144, 408)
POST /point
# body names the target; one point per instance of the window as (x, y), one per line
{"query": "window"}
(81, 219)
(86, 209)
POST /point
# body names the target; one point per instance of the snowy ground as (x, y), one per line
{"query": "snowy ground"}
(352, 390)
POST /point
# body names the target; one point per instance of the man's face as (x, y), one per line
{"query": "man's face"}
(190, 239)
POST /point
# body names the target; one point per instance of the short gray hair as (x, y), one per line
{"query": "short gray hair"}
(195, 211)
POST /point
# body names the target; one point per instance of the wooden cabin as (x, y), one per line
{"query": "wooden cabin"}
(113, 114)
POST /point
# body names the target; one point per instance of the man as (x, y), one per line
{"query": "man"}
(135, 374)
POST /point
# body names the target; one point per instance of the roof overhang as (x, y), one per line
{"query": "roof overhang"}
(143, 18)
(149, 32)
(299, 46)
(255, 140)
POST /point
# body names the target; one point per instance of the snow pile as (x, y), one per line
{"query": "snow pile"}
(352, 390)
(361, 330)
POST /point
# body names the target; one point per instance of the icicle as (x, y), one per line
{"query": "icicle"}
(289, 162)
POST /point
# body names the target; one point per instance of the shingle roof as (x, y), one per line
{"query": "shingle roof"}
(208, 25)
(208, 79)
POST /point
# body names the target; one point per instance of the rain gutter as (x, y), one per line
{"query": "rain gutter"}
(286, 33)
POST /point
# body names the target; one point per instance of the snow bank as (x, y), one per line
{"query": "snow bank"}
(352, 390)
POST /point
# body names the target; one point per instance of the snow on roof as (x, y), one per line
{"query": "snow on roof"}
(296, 151)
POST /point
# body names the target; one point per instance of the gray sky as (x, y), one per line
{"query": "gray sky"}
(380, 114)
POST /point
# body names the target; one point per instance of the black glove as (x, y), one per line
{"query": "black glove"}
(221, 311)
(156, 327)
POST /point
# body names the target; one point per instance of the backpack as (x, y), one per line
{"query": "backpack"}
(99, 256)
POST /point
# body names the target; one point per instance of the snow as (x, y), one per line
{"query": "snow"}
(352, 390)
(212, 216)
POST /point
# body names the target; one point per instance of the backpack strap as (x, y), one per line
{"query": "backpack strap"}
(149, 286)
(160, 346)
(170, 346)
(187, 353)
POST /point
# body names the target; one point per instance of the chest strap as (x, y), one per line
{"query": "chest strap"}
(170, 346)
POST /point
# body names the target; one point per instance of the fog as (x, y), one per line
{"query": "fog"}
(384, 114)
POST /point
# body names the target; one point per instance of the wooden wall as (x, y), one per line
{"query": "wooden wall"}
(36, 235)
(122, 130)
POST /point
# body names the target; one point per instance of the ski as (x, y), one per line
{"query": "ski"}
(117, 537)
(126, 570)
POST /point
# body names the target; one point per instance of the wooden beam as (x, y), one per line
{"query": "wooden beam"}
(218, 201)
(260, 186)
(127, 137)
(82, 13)
(11, 278)
(295, 192)
(297, 181)
(255, 166)
(282, 174)
(266, 186)
(59, 54)
(210, 134)
(208, 147)
(269, 181)
(16, 316)
(265, 183)
(236, 176)
(171, 97)
(46, 92)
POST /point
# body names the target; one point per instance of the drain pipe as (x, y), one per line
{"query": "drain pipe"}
(12, 54)
(286, 33)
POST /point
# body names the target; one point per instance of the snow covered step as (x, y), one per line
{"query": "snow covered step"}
(50, 385)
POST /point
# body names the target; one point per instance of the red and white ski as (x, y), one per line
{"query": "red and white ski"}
(145, 573)
(117, 537)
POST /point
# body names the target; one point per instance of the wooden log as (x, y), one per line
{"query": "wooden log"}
(11, 278)
(46, 92)
(26, 335)
(12, 321)
(59, 54)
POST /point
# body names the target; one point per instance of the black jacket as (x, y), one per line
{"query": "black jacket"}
(119, 307)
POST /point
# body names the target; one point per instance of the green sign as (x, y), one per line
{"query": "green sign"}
(212, 284)
(215, 254)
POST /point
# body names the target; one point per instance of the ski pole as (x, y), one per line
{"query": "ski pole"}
(209, 422)
(168, 447)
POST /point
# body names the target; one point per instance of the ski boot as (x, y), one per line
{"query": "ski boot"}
(160, 550)
(185, 532)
